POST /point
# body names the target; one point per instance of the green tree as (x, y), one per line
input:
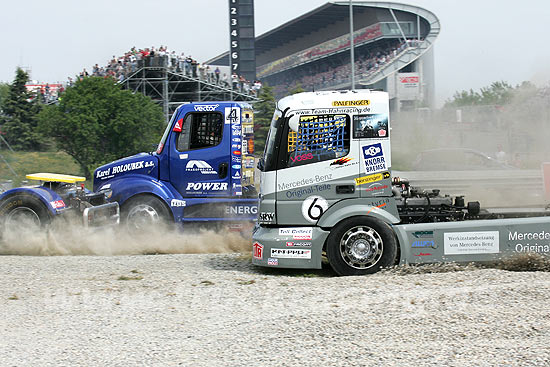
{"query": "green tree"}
(4, 91)
(263, 112)
(498, 93)
(297, 89)
(18, 121)
(97, 121)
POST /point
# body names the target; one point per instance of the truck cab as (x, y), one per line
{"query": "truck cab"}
(326, 151)
(202, 170)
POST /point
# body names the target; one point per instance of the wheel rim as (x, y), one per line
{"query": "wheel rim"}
(23, 216)
(141, 216)
(361, 247)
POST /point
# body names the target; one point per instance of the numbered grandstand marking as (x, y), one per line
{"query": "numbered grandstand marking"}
(232, 115)
(313, 208)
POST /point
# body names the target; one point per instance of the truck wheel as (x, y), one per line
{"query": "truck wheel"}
(361, 245)
(23, 212)
(143, 211)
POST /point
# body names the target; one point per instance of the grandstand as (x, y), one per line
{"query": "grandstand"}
(170, 86)
(393, 51)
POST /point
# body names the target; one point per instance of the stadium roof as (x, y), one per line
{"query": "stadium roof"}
(322, 16)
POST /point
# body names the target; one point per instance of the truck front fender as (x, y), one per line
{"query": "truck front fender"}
(383, 208)
(129, 186)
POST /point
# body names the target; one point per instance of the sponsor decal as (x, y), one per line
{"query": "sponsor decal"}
(376, 188)
(298, 244)
(285, 253)
(232, 115)
(237, 152)
(467, 243)
(249, 163)
(178, 125)
(236, 176)
(272, 262)
(200, 166)
(304, 182)
(534, 246)
(235, 146)
(236, 166)
(424, 244)
(258, 250)
(57, 204)
(361, 102)
(307, 191)
(303, 157)
(376, 206)
(382, 133)
(111, 171)
(241, 210)
(313, 208)
(423, 254)
(408, 79)
(543, 235)
(341, 161)
(423, 234)
(237, 186)
(374, 158)
(184, 156)
(236, 140)
(371, 178)
(235, 159)
(177, 203)
(298, 233)
(206, 107)
(266, 217)
(206, 186)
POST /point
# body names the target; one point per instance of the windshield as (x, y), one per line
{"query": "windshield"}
(270, 143)
(165, 135)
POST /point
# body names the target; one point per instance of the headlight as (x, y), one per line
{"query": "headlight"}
(107, 193)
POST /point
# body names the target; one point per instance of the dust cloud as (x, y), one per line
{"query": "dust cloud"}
(73, 239)
(518, 129)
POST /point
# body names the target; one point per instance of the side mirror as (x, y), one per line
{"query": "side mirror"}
(261, 164)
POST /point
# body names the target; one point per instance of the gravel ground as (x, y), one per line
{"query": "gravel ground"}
(217, 309)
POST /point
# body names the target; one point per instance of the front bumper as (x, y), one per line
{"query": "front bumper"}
(283, 247)
(101, 215)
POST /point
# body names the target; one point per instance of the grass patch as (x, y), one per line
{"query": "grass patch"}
(24, 163)
(13, 297)
(124, 277)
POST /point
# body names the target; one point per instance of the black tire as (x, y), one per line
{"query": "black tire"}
(140, 212)
(361, 245)
(23, 212)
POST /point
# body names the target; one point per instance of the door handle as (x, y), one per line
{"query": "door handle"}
(222, 170)
(345, 189)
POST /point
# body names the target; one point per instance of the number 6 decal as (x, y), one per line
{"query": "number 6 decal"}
(313, 208)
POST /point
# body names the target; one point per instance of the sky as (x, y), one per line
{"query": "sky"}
(481, 41)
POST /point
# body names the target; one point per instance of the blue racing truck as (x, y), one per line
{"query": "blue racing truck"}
(202, 171)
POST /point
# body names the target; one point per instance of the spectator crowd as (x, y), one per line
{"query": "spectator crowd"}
(124, 66)
(323, 73)
(337, 71)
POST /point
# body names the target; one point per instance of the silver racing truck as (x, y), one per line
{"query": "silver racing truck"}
(327, 190)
